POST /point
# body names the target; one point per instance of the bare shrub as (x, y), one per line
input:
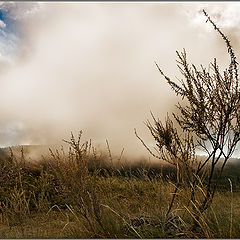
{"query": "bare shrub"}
(210, 122)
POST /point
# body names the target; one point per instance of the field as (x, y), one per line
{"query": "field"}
(87, 194)
(93, 67)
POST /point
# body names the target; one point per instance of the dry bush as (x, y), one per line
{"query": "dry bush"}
(78, 183)
(210, 121)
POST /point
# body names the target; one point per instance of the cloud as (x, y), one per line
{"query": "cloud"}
(2, 24)
(19, 10)
(12, 16)
(91, 66)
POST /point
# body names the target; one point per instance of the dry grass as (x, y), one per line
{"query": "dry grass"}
(80, 194)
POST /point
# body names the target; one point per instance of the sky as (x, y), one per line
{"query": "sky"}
(90, 66)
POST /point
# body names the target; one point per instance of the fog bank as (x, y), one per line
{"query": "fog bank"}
(90, 66)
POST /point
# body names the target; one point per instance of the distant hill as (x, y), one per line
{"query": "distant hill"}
(30, 152)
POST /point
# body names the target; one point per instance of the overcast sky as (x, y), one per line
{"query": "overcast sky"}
(71, 66)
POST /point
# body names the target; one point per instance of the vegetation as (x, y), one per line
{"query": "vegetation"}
(209, 121)
(83, 193)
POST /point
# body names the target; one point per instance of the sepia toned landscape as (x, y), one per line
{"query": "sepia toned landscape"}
(119, 120)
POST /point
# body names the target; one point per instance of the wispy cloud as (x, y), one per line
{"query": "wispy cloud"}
(12, 16)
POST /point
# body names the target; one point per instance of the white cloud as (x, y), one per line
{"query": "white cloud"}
(226, 14)
(2, 24)
(13, 16)
(19, 10)
(91, 66)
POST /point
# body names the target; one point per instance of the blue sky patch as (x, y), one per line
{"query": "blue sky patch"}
(9, 35)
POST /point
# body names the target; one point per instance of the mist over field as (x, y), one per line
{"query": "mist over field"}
(107, 71)
(71, 66)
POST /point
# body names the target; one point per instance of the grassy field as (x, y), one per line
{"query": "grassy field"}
(82, 194)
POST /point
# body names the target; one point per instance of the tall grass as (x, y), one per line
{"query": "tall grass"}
(82, 193)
